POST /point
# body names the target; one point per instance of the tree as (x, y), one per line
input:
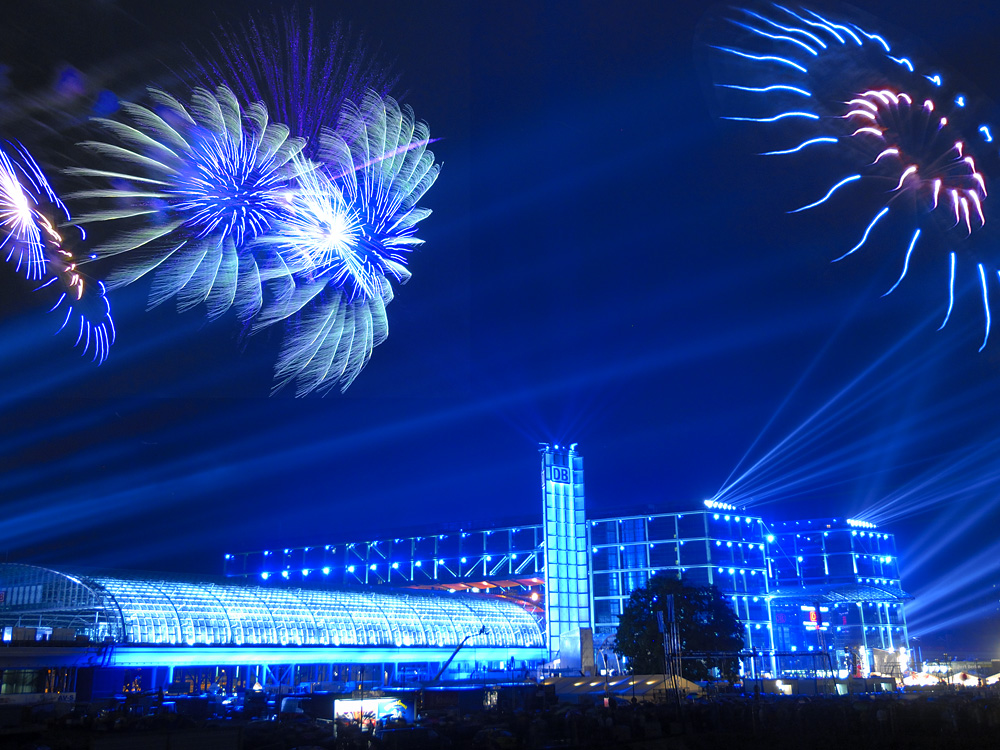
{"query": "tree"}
(706, 623)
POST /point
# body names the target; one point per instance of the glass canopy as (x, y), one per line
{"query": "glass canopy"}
(145, 610)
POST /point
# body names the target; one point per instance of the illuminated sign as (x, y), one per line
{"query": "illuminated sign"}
(815, 620)
(560, 474)
(373, 709)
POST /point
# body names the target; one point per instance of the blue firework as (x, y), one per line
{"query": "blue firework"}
(322, 237)
(303, 72)
(349, 233)
(912, 143)
(79, 302)
(191, 186)
(30, 212)
(23, 225)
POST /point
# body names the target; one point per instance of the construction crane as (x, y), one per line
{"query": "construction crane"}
(454, 653)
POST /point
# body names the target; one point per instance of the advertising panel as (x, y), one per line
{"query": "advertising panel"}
(373, 709)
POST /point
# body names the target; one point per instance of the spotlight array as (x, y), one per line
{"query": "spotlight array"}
(716, 504)
(860, 524)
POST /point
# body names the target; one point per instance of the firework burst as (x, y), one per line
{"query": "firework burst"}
(912, 144)
(195, 184)
(25, 227)
(347, 238)
(31, 211)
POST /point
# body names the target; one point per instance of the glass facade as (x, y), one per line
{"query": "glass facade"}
(837, 589)
(702, 547)
(564, 523)
(139, 610)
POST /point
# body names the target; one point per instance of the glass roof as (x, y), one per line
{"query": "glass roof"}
(143, 609)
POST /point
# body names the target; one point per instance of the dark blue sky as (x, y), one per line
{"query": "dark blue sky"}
(605, 264)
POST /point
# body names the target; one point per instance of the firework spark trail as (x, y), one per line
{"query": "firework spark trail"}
(82, 306)
(304, 73)
(415, 145)
(912, 130)
(322, 237)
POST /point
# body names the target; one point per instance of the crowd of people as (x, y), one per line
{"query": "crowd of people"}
(930, 719)
(912, 720)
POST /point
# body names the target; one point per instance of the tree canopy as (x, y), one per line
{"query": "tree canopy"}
(708, 629)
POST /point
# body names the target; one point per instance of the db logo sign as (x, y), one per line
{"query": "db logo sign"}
(559, 474)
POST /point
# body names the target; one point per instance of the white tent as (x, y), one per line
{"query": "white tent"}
(921, 679)
(623, 687)
(965, 679)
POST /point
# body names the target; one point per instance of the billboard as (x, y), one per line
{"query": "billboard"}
(373, 709)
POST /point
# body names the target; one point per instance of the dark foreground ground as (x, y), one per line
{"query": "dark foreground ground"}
(964, 719)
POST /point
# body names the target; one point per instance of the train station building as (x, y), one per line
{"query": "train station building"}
(488, 601)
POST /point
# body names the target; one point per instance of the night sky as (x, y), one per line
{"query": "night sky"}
(606, 263)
